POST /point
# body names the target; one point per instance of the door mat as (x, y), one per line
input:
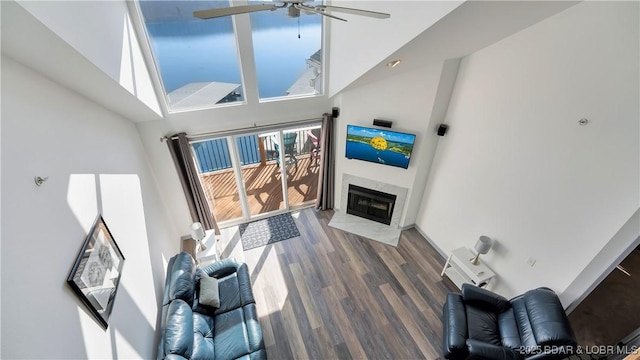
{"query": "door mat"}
(268, 231)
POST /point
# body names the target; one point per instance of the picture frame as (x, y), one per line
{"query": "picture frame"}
(96, 273)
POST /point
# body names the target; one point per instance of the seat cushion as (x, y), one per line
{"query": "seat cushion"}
(230, 335)
(482, 325)
(203, 331)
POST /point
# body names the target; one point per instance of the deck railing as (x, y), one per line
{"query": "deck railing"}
(213, 155)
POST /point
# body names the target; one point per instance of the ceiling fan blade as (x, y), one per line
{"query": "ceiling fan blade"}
(234, 10)
(312, 9)
(374, 14)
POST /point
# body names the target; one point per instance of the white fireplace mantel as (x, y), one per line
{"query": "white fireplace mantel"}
(387, 234)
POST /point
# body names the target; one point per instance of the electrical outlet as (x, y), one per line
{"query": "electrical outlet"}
(531, 261)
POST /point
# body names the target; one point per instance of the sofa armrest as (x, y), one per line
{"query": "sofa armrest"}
(484, 299)
(244, 282)
(454, 318)
(549, 322)
(484, 351)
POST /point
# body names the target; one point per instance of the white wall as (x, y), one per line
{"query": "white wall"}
(102, 32)
(95, 163)
(407, 100)
(362, 42)
(516, 166)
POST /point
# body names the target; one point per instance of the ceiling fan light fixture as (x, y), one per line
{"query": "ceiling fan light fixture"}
(394, 63)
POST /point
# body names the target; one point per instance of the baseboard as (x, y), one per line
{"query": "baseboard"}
(403, 228)
(424, 235)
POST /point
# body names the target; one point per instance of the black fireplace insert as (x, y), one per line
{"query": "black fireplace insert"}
(370, 204)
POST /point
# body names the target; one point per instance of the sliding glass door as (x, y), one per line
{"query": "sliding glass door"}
(253, 175)
(261, 176)
(302, 174)
(218, 177)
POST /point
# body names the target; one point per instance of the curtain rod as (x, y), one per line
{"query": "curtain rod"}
(242, 130)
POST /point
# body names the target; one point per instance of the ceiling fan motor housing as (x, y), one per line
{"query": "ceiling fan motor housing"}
(293, 11)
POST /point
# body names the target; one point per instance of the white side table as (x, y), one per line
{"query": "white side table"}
(211, 253)
(460, 270)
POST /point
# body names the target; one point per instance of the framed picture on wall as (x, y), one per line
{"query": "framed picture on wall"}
(96, 273)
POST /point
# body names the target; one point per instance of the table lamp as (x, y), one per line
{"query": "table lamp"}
(483, 245)
(197, 234)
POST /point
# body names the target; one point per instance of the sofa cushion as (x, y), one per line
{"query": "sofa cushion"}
(209, 294)
(509, 334)
(203, 326)
(178, 335)
(527, 340)
(229, 293)
(230, 335)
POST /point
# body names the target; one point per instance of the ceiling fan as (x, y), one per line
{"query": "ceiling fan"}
(293, 10)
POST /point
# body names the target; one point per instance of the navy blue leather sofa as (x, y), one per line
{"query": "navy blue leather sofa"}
(189, 330)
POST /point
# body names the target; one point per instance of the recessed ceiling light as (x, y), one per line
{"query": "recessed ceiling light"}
(394, 63)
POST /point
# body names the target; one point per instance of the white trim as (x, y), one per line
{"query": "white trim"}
(237, 171)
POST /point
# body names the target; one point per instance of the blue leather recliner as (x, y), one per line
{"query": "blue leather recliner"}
(189, 330)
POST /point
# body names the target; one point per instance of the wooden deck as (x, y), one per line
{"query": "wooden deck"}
(264, 188)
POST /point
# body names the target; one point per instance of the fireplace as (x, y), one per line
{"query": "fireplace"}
(370, 204)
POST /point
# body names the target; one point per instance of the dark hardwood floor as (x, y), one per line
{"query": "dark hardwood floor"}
(328, 294)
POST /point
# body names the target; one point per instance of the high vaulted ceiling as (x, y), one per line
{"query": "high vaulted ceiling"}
(93, 48)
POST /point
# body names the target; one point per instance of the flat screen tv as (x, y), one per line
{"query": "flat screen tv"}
(379, 146)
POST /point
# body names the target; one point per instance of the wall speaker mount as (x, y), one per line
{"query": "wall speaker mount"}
(382, 123)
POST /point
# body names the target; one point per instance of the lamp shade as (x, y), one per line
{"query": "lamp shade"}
(483, 245)
(197, 231)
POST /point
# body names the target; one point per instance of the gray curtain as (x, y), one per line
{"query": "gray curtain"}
(327, 165)
(180, 150)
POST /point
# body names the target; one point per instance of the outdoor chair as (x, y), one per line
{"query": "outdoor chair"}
(289, 140)
(315, 146)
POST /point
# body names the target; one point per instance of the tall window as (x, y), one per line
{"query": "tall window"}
(287, 52)
(199, 63)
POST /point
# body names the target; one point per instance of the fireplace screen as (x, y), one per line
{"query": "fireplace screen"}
(370, 204)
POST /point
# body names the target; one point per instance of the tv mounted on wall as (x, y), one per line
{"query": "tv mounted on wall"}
(379, 146)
